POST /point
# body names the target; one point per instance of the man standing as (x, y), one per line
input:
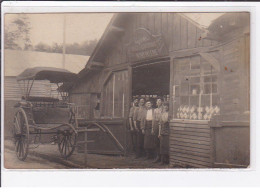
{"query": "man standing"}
(138, 117)
(157, 115)
(147, 129)
(133, 130)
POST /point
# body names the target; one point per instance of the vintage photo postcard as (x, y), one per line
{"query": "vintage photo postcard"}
(143, 90)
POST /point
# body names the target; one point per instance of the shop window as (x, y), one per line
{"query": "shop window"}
(195, 89)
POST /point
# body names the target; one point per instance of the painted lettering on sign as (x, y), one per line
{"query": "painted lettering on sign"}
(146, 46)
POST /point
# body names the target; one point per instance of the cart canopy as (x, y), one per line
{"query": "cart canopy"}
(54, 75)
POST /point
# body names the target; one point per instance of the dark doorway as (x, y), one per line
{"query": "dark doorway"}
(151, 80)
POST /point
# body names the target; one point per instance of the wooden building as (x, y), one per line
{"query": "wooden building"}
(204, 73)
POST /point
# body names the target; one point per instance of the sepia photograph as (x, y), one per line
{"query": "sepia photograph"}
(128, 90)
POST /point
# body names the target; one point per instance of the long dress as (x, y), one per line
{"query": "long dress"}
(149, 138)
(157, 115)
(164, 134)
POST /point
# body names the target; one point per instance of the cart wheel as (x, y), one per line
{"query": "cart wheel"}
(21, 134)
(67, 139)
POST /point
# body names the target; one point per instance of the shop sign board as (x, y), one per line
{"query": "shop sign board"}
(146, 46)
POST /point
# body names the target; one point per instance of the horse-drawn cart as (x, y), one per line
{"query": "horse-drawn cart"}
(44, 115)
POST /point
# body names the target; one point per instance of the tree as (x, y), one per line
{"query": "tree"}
(84, 48)
(56, 48)
(42, 47)
(17, 34)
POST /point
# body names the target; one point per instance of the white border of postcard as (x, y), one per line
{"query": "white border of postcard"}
(170, 177)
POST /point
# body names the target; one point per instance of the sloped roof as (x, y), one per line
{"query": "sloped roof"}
(16, 61)
(119, 19)
(202, 20)
(229, 26)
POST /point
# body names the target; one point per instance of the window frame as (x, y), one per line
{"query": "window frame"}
(188, 75)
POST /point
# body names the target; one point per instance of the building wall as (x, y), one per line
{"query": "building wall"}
(191, 144)
(235, 76)
(232, 146)
(177, 32)
(184, 39)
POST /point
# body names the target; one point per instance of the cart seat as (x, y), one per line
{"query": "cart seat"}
(41, 99)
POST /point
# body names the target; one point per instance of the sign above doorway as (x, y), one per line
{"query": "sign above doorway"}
(145, 46)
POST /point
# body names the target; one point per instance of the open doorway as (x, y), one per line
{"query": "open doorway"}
(151, 80)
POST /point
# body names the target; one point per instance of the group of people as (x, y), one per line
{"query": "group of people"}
(150, 129)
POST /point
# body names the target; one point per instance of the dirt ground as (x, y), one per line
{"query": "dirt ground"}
(48, 157)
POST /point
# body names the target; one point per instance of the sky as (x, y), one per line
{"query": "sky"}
(48, 28)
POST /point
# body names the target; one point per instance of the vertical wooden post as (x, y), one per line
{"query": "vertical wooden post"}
(113, 101)
(171, 88)
(85, 149)
(64, 42)
(127, 100)
(130, 74)
(212, 147)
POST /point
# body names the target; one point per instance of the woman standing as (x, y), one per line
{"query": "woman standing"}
(164, 134)
(157, 115)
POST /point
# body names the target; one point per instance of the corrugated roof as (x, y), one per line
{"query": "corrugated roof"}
(15, 61)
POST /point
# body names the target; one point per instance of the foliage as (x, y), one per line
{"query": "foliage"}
(17, 34)
(84, 48)
(17, 37)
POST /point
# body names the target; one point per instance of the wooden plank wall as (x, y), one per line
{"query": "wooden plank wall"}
(11, 89)
(39, 88)
(83, 103)
(234, 78)
(191, 144)
(115, 95)
(91, 83)
(178, 33)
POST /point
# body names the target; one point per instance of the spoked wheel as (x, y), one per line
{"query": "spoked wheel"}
(67, 139)
(21, 134)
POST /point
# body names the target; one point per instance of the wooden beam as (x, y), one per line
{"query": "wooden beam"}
(116, 29)
(97, 64)
(212, 60)
(171, 103)
(193, 51)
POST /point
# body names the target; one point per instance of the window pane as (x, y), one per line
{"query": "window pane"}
(194, 80)
(207, 78)
(205, 100)
(194, 101)
(184, 88)
(194, 89)
(184, 100)
(215, 100)
(177, 90)
(210, 78)
(214, 88)
(195, 62)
